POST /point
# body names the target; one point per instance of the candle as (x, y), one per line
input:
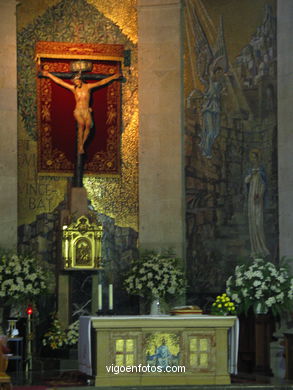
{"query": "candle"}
(110, 296)
(66, 249)
(100, 304)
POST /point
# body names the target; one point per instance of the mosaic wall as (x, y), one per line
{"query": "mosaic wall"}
(231, 138)
(75, 21)
(230, 134)
(114, 199)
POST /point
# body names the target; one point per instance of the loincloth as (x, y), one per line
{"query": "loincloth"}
(84, 113)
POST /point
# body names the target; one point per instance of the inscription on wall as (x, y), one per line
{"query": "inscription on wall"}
(36, 194)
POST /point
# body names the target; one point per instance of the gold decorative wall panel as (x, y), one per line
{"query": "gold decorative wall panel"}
(64, 21)
(36, 194)
(122, 13)
(118, 197)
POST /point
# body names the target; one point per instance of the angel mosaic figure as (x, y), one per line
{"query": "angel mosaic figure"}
(211, 111)
(209, 66)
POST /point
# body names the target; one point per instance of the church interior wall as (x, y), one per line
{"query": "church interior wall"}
(230, 112)
(115, 196)
(8, 126)
(113, 199)
(216, 197)
(161, 171)
(285, 117)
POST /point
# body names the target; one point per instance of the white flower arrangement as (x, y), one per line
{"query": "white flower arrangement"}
(72, 333)
(156, 275)
(261, 284)
(21, 278)
(58, 337)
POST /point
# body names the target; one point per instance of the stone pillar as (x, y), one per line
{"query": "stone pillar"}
(285, 120)
(160, 87)
(64, 301)
(8, 125)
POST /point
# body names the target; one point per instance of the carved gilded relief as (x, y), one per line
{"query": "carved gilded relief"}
(82, 245)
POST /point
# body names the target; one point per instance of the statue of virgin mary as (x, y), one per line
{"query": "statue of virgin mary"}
(256, 184)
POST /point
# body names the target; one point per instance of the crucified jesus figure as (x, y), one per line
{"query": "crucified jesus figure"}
(82, 111)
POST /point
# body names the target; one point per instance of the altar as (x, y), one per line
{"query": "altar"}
(158, 350)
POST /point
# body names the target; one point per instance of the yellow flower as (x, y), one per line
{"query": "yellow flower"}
(219, 305)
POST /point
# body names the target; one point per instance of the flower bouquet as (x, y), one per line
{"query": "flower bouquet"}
(72, 333)
(58, 337)
(223, 306)
(261, 286)
(55, 338)
(156, 275)
(22, 279)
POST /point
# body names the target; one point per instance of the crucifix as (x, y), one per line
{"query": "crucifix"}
(82, 94)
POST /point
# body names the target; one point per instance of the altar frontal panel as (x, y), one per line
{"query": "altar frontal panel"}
(161, 352)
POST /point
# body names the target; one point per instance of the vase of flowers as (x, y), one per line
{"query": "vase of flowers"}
(60, 338)
(262, 286)
(22, 279)
(157, 276)
(156, 306)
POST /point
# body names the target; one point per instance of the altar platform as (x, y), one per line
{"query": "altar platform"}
(41, 384)
(62, 380)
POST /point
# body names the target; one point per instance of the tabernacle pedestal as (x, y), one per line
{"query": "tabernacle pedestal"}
(80, 249)
(158, 350)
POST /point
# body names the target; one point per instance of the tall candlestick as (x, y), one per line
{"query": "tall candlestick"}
(100, 299)
(66, 249)
(110, 296)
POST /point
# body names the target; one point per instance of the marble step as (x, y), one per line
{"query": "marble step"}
(242, 386)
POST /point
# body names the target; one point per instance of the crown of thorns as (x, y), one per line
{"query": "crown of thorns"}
(77, 76)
